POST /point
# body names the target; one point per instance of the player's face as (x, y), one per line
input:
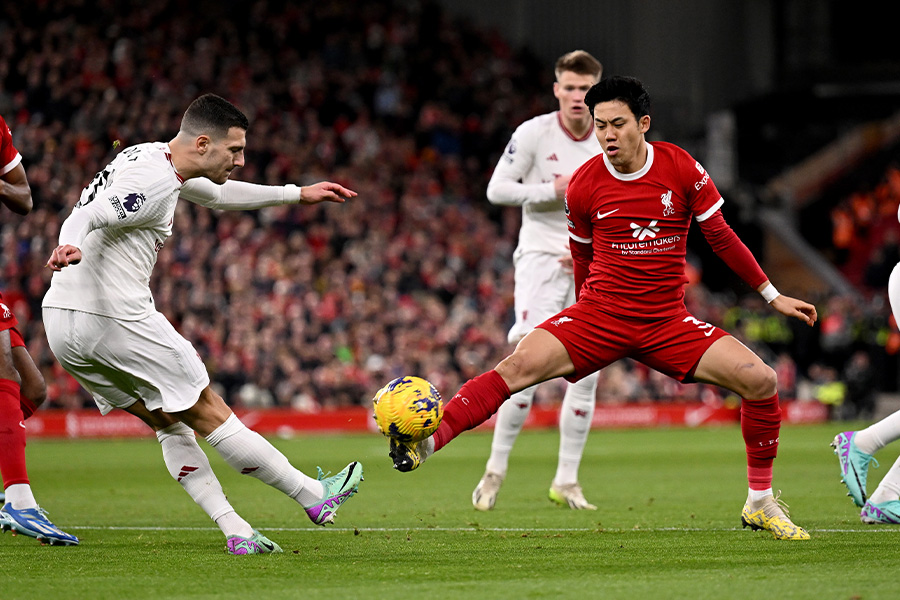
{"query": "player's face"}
(621, 135)
(570, 90)
(224, 155)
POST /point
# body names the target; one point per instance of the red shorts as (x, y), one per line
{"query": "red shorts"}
(8, 321)
(595, 338)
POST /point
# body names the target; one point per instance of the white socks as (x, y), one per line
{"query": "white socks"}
(878, 435)
(757, 495)
(574, 425)
(889, 488)
(20, 496)
(510, 418)
(251, 454)
(575, 418)
(189, 466)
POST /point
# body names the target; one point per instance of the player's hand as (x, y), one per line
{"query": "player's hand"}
(567, 264)
(325, 191)
(798, 309)
(560, 184)
(63, 256)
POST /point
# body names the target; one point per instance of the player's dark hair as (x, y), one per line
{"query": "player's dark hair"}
(580, 62)
(624, 89)
(212, 115)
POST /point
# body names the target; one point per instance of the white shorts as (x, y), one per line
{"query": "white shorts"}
(121, 362)
(543, 288)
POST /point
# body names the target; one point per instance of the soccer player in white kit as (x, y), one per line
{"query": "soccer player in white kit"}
(104, 329)
(855, 450)
(533, 173)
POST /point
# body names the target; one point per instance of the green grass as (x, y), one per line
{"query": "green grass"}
(668, 525)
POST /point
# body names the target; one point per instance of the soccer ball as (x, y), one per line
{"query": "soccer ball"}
(408, 409)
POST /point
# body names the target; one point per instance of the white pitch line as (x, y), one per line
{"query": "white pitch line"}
(469, 529)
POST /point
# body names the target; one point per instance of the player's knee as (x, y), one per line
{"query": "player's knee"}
(35, 391)
(763, 383)
(516, 371)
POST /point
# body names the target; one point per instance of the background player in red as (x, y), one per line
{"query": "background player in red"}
(22, 388)
(629, 211)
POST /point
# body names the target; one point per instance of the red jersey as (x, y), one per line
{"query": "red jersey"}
(9, 156)
(637, 225)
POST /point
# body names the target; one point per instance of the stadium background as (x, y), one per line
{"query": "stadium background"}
(790, 106)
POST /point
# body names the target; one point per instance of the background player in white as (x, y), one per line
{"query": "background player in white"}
(533, 173)
(104, 329)
(855, 449)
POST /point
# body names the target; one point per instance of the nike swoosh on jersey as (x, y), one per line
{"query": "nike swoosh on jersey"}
(600, 215)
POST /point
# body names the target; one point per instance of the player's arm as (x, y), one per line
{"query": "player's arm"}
(91, 212)
(729, 247)
(240, 195)
(582, 257)
(581, 243)
(15, 193)
(505, 187)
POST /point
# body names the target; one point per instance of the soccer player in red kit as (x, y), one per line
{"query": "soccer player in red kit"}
(629, 210)
(22, 388)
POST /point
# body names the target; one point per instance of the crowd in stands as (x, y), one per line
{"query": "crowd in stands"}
(866, 231)
(309, 307)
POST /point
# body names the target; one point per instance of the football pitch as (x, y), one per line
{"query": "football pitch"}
(668, 525)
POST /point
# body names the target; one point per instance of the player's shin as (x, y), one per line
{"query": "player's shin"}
(189, 466)
(12, 435)
(760, 426)
(251, 454)
(575, 418)
(473, 404)
(510, 419)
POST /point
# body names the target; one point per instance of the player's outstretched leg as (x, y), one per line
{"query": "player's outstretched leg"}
(251, 454)
(770, 514)
(854, 465)
(473, 404)
(33, 522)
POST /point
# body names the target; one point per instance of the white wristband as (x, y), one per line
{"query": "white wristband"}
(769, 293)
(292, 194)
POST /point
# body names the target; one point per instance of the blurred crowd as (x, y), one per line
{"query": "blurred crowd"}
(866, 231)
(317, 307)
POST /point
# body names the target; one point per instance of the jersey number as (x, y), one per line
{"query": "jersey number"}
(99, 182)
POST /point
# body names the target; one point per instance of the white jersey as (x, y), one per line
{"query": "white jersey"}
(540, 150)
(123, 219)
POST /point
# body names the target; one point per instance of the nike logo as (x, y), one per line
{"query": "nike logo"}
(267, 545)
(606, 214)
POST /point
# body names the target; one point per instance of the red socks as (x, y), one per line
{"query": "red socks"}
(12, 435)
(473, 404)
(760, 424)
